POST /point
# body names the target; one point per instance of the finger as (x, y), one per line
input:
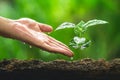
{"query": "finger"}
(61, 49)
(52, 45)
(57, 44)
(54, 48)
(45, 27)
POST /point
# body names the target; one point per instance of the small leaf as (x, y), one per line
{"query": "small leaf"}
(65, 25)
(86, 44)
(78, 28)
(79, 40)
(73, 44)
(80, 24)
(94, 22)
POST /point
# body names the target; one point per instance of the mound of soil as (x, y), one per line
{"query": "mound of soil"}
(60, 69)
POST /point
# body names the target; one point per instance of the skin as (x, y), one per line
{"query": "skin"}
(33, 33)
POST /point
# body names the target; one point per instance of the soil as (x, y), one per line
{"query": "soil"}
(85, 69)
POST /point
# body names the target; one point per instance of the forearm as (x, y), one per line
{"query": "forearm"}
(5, 26)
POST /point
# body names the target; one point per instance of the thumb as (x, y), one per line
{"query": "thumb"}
(45, 27)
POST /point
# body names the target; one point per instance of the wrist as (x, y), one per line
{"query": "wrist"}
(5, 26)
(4, 20)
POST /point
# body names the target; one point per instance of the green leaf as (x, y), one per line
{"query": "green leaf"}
(79, 40)
(65, 25)
(80, 43)
(78, 28)
(85, 45)
(93, 22)
(80, 24)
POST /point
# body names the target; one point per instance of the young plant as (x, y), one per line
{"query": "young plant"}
(79, 41)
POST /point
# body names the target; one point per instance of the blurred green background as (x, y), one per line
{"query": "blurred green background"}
(105, 38)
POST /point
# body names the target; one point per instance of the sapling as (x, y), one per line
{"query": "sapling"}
(79, 41)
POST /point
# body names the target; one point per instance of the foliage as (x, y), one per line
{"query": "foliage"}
(79, 41)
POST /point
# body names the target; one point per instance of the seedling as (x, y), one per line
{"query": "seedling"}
(79, 41)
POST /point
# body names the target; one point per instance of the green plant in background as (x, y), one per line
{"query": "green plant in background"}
(79, 41)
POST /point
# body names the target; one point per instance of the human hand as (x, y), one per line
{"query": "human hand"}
(32, 32)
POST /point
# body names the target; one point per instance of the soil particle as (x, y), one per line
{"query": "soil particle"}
(84, 65)
(115, 65)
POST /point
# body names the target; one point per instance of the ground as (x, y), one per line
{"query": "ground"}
(81, 68)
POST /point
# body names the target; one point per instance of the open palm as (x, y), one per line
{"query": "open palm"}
(32, 32)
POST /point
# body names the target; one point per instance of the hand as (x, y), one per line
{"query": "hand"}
(32, 32)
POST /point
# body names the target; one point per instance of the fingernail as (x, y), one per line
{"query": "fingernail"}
(69, 53)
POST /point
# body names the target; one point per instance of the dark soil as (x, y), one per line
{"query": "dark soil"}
(60, 70)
